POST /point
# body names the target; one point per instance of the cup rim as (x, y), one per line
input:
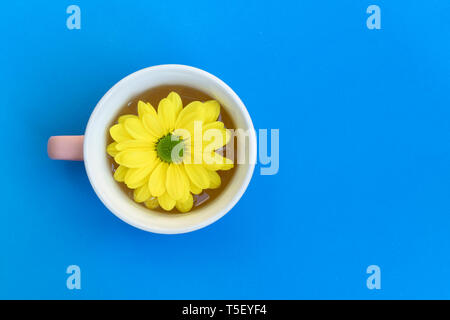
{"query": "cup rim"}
(237, 195)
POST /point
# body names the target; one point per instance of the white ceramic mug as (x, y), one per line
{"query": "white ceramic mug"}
(92, 149)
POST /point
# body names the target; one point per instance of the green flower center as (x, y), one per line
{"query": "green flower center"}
(170, 148)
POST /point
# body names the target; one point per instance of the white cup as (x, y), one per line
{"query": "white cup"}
(98, 167)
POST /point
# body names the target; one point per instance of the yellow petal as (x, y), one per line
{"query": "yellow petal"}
(137, 184)
(142, 193)
(118, 133)
(125, 117)
(152, 203)
(152, 124)
(135, 128)
(136, 175)
(213, 125)
(144, 108)
(176, 99)
(167, 114)
(212, 111)
(186, 204)
(215, 161)
(119, 174)
(166, 202)
(193, 111)
(183, 134)
(177, 182)
(111, 149)
(135, 158)
(135, 144)
(214, 139)
(214, 179)
(157, 181)
(194, 189)
(198, 175)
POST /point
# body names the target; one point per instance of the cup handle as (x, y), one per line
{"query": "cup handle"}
(65, 148)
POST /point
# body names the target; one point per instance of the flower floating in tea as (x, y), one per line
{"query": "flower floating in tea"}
(168, 155)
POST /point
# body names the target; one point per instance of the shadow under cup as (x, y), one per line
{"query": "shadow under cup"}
(99, 170)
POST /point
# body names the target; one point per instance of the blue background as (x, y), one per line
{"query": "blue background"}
(364, 173)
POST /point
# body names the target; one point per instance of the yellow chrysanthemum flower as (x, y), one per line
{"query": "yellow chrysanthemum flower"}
(160, 155)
